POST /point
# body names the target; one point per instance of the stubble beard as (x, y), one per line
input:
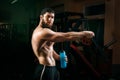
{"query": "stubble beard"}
(45, 25)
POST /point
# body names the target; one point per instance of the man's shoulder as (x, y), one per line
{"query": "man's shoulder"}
(40, 30)
(43, 32)
(47, 30)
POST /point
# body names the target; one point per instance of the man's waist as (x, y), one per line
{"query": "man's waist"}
(46, 65)
(47, 61)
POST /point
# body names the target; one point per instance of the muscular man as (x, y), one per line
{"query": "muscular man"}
(43, 39)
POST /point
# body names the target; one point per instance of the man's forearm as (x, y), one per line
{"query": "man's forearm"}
(75, 35)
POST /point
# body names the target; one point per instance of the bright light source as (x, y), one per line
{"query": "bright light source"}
(14, 1)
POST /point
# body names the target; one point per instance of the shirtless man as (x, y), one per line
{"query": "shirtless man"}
(43, 39)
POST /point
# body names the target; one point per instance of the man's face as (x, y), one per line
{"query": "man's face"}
(48, 19)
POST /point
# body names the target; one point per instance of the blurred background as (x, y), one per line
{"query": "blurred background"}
(96, 59)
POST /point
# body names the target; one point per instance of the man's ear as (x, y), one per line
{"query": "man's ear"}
(41, 16)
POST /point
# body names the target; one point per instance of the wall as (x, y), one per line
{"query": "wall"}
(109, 21)
(112, 19)
(19, 15)
(116, 49)
(79, 5)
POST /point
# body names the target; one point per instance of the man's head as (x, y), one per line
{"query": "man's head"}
(47, 17)
(49, 10)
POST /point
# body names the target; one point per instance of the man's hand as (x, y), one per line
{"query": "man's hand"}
(66, 59)
(88, 34)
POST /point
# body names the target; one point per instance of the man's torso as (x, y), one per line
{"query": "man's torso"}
(43, 50)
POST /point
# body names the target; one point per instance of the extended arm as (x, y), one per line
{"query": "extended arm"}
(50, 35)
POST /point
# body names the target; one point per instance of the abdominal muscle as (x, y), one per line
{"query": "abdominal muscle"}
(45, 53)
(49, 61)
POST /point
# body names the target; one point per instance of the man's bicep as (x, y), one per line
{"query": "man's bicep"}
(53, 36)
(48, 35)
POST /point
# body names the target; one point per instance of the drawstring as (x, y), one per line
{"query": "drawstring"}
(42, 72)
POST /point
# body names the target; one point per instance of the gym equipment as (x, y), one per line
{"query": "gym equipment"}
(85, 60)
(92, 47)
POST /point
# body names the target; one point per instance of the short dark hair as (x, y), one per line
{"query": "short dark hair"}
(50, 10)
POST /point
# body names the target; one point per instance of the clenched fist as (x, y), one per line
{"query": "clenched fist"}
(88, 34)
